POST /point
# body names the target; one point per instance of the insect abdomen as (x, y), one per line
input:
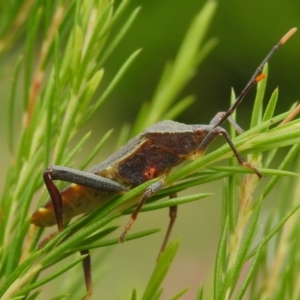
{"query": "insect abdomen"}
(76, 200)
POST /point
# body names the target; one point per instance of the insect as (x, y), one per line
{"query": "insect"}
(151, 154)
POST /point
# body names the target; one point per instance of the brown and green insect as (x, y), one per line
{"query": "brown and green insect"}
(151, 154)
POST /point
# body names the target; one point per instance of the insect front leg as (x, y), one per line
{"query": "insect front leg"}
(221, 131)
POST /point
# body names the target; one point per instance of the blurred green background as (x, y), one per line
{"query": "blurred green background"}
(246, 31)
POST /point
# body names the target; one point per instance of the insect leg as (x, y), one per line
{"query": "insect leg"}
(74, 176)
(57, 205)
(84, 178)
(55, 198)
(86, 263)
(155, 187)
(221, 131)
(172, 215)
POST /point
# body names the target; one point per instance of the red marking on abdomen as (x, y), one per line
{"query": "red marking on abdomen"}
(149, 173)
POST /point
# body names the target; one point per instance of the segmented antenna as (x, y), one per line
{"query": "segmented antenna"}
(256, 77)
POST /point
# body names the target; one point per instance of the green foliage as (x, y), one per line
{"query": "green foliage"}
(61, 95)
(164, 261)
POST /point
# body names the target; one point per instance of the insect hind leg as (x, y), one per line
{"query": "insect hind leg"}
(86, 264)
(58, 211)
(55, 198)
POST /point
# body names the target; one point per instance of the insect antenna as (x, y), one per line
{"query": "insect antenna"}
(256, 77)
